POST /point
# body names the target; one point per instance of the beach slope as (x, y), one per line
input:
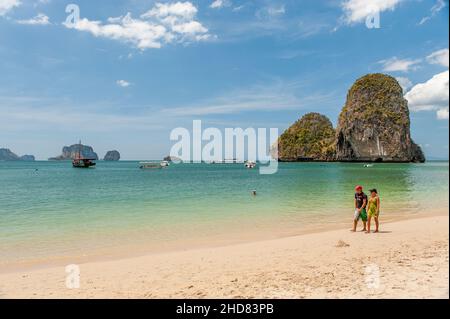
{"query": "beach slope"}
(408, 259)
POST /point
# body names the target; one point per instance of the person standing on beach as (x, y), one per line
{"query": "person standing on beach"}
(360, 208)
(373, 209)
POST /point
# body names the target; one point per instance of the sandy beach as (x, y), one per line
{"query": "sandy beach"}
(407, 259)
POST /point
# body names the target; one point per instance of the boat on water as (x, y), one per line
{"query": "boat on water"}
(250, 164)
(153, 165)
(165, 163)
(80, 161)
(368, 165)
(226, 161)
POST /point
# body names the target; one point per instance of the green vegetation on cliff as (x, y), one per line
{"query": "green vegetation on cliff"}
(372, 96)
(310, 138)
(374, 124)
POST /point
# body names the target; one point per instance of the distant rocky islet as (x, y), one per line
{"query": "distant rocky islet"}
(112, 156)
(68, 153)
(7, 155)
(71, 152)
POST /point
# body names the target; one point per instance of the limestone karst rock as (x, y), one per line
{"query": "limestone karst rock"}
(311, 138)
(7, 155)
(70, 152)
(374, 124)
(112, 156)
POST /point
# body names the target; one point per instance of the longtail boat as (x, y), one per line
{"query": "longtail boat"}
(80, 161)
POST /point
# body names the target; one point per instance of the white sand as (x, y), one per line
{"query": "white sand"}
(408, 259)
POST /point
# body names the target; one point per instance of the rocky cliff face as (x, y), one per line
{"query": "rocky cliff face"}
(112, 156)
(70, 152)
(310, 139)
(7, 155)
(374, 124)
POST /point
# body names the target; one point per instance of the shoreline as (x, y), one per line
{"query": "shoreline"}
(410, 254)
(127, 251)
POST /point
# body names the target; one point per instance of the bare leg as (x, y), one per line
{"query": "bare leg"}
(376, 224)
(364, 226)
(368, 224)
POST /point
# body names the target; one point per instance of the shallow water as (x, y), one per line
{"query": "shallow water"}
(51, 210)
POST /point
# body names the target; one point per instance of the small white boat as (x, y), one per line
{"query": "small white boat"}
(226, 161)
(150, 165)
(368, 165)
(154, 165)
(250, 164)
(164, 163)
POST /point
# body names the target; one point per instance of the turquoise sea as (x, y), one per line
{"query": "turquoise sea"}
(50, 211)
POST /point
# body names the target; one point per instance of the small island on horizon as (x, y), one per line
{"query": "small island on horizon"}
(70, 152)
(7, 155)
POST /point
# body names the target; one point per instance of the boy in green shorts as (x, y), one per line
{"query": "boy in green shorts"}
(360, 208)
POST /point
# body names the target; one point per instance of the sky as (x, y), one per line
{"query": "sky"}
(122, 74)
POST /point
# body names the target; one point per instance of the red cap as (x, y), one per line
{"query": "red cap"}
(358, 187)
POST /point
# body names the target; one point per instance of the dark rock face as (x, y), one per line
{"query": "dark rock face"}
(173, 159)
(112, 156)
(309, 139)
(28, 158)
(7, 155)
(374, 124)
(70, 152)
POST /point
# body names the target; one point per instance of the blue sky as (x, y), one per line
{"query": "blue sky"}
(128, 72)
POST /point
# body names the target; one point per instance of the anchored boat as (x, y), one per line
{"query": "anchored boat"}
(250, 164)
(153, 165)
(80, 161)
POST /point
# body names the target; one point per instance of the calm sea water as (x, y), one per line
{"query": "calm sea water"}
(50, 210)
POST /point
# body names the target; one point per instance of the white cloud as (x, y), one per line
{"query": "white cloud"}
(442, 114)
(431, 95)
(123, 83)
(269, 98)
(358, 10)
(271, 12)
(8, 5)
(217, 4)
(41, 2)
(38, 119)
(164, 23)
(404, 82)
(183, 10)
(40, 19)
(276, 11)
(439, 57)
(403, 65)
(438, 6)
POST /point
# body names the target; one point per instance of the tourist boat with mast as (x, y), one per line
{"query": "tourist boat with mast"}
(80, 161)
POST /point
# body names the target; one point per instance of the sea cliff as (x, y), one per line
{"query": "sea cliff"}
(373, 126)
